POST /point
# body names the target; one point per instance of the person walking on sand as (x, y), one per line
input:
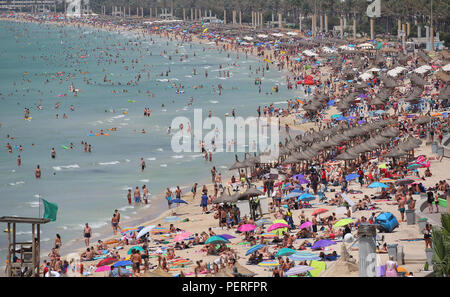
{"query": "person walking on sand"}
(427, 236)
(19, 161)
(401, 207)
(194, 190)
(117, 213)
(391, 267)
(87, 233)
(204, 203)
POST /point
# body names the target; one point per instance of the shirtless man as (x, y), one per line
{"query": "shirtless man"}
(114, 223)
(145, 194)
(87, 233)
(142, 164)
(137, 195)
(38, 172)
(401, 207)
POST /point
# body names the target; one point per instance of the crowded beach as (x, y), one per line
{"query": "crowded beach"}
(358, 149)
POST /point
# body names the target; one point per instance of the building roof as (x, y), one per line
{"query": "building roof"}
(24, 220)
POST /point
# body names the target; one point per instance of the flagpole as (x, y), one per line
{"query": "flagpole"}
(40, 207)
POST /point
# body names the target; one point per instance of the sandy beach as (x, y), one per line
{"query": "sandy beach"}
(190, 218)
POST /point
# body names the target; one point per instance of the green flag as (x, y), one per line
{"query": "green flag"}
(379, 45)
(50, 210)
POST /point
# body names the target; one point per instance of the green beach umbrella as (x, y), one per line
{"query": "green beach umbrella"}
(285, 252)
(343, 222)
(216, 239)
(138, 248)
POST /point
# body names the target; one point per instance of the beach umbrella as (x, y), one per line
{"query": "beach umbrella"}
(319, 211)
(251, 192)
(145, 230)
(305, 225)
(269, 263)
(299, 269)
(103, 268)
(270, 235)
(285, 252)
(293, 195)
(182, 236)
(413, 166)
(254, 249)
(303, 181)
(322, 243)
(159, 230)
(107, 261)
(247, 228)
(261, 222)
(351, 176)
(281, 221)
(404, 181)
(304, 257)
(378, 185)
(386, 180)
(226, 198)
(226, 236)
(128, 230)
(137, 248)
(343, 222)
(277, 226)
(307, 197)
(216, 239)
(122, 263)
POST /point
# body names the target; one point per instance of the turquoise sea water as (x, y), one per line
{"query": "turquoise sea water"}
(88, 186)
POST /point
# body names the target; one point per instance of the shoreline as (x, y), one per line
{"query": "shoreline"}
(159, 197)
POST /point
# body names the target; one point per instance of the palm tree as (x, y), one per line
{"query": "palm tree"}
(441, 247)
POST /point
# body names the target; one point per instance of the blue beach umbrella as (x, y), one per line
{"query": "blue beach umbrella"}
(351, 176)
(122, 263)
(292, 195)
(254, 248)
(378, 185)
(307, 197)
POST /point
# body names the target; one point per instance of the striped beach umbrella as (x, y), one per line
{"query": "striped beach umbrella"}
(304, 256)
(254, 248)
(299, 269)
(269, 263)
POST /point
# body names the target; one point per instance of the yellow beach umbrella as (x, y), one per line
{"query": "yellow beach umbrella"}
(343, 222)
